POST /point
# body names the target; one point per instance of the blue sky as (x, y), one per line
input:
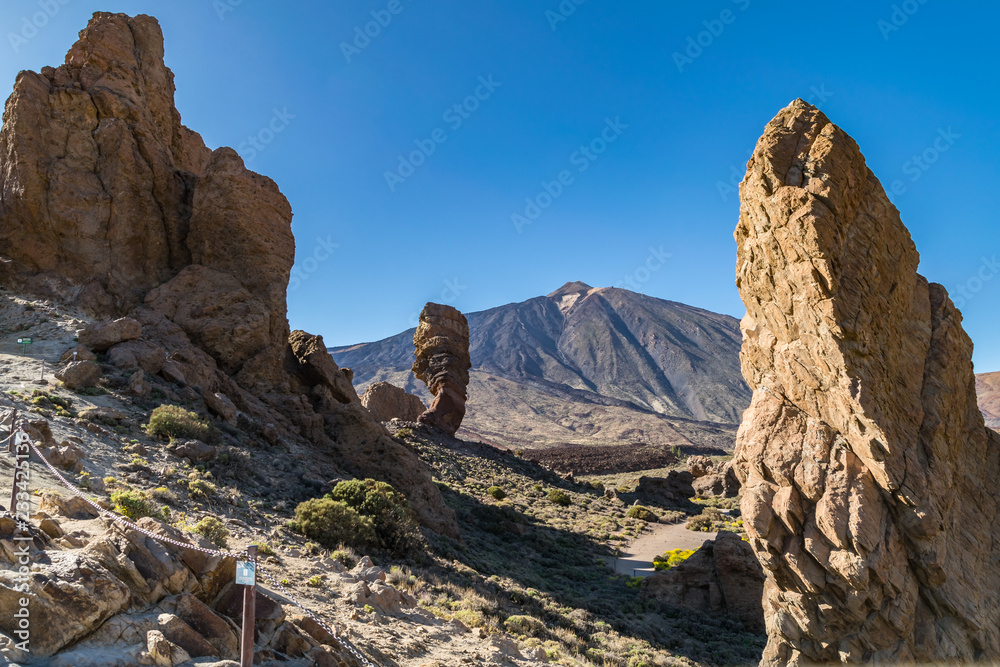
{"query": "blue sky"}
(648, 144)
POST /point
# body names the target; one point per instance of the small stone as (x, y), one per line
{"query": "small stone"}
(79, 374)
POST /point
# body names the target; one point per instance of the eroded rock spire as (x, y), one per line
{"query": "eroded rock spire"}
(869, 478)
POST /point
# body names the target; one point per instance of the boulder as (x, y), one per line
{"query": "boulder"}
(699, 466)
(220, 404)
(673, 489)
(196, 450)
(69, 595)
(102, 335)
(386, 402)
(71, 507)
(77, 353)
(869, 478)
(79, 374)
(442, 363)
(722, 577)
(164, 652)
(138, 354)
(138, 385)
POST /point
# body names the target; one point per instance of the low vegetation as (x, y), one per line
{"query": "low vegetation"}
(672, 558)
(131, 504)
(174, 422)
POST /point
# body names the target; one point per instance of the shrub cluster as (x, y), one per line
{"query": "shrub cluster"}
(212, 529)
(173, 422)
(671, 558)
(131, 504)
(359, 513)
(643, 513)
(560, 497)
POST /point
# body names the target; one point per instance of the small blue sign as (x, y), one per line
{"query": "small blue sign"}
(245, 573)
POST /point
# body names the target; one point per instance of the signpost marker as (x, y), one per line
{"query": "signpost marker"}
(246, 576)
(24, 343)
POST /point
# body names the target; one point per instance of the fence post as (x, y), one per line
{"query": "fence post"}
(249, 604)
(17, 471)
(10, 441)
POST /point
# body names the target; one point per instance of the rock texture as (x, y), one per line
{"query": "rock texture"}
(722, 577)
(674, 489)
(387, 401)
(869, 478)
(443, 363)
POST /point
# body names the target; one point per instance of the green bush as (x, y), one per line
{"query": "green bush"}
(391, 515)
(331, 522)
(672, 558)
(700, 523)
(212, 529)
(525, 626)
(173, 422)
(560, 497)
(344, 558)
(642, 513)
(131, 504)
(199, 488)
(496, 493)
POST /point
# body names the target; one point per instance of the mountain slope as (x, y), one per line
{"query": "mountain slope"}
(988, 391)
(587, 366)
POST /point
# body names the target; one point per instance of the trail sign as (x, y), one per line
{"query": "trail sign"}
(245, 573)
(24, 343)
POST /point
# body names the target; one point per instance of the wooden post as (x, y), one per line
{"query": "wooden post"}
(249, 605)
(10, 441)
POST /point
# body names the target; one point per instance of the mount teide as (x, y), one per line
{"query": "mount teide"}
(587, 366)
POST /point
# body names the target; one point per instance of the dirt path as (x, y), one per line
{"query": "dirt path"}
(637, 558)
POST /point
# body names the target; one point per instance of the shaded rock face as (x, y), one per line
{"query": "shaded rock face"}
(674, 489)
(868, 476)
(105, 195)
(386, 401)
(443, 363)
(722, 577)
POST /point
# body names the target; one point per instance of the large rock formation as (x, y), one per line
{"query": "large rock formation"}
(443, 363)
(387, 401)
(869, 479)
(109, 203)
(722, 577)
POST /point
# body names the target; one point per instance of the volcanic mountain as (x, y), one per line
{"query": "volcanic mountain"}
(587, 366)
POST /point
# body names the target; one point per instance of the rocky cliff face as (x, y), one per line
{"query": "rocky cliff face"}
(988, 392)
(869, 477)
(109, 203)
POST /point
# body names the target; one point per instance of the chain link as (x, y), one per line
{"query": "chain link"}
(242, 555)
(343, 641)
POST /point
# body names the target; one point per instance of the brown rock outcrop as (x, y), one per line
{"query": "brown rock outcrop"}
(869, 479)
(674, 489)
(109, 203)
(442, 350)
(387, 401)
(721, 577)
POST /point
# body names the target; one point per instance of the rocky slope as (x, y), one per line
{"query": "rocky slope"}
(109, 204)
(587, 366)
(869, 477)
(988, 392)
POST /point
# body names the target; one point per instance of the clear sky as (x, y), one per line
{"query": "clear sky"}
(667, 99)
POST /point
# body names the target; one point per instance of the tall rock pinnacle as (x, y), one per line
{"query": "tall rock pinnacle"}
(870, 492)
(442, 351)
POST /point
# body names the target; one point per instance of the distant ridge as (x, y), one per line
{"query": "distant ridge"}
(586, 365)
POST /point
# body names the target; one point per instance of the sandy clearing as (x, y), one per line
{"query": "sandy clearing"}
(637, 558)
